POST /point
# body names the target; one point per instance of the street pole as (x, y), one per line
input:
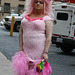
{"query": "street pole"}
(12, 25)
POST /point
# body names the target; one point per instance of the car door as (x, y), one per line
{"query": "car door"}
(62, 22)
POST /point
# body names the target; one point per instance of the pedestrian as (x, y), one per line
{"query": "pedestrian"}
(21, 12)
(34, 38)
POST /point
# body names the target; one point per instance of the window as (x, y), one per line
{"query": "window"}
(62, 16)
(7, 7)
(20, 7)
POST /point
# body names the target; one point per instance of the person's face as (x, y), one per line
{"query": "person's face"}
(38, 4)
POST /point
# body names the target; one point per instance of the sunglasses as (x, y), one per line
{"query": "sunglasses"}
(41, 2)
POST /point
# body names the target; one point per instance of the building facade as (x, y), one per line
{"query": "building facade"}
(7, 6)
(71, 1)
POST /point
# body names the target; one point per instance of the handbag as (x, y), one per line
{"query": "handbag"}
(42, 65)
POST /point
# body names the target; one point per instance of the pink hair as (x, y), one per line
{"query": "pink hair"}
(47, 7)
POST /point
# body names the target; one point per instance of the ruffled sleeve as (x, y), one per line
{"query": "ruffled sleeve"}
(46, 18)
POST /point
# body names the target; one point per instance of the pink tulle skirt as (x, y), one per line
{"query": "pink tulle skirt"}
(20, 65)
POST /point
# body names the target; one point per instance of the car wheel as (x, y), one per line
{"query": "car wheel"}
(7, 27)
(17, 26)
(66, 49)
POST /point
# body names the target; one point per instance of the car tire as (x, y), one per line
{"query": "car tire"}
(7, 27)
(66, 49)
(17, 26)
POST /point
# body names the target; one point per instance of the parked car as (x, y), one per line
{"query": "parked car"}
(64, 27)
(17, 21)
(2, 22)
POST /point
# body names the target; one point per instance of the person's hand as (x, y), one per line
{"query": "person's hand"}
(45, 57)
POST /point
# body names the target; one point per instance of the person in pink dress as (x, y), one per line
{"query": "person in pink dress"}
(34, 38)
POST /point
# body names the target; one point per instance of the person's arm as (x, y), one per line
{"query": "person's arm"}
(49, 28)
(20, 38)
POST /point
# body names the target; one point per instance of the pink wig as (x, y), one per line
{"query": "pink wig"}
(47, 7)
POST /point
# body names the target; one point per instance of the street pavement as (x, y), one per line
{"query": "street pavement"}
(62, 64)
(5, 65)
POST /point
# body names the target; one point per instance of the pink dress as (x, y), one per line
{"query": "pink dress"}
(33, 45)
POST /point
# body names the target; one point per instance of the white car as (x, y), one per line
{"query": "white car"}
(17, 21)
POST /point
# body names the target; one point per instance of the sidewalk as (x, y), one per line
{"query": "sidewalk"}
(5, 65)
